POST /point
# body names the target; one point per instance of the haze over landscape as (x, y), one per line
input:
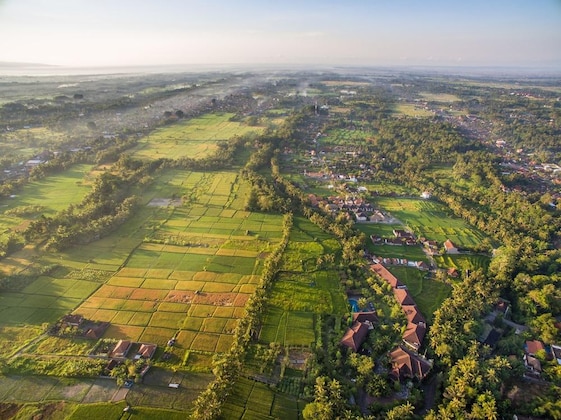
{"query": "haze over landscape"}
(234, 210)
(374, 33)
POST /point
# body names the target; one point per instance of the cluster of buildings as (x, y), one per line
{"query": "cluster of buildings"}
(406, 362)
(117, 353)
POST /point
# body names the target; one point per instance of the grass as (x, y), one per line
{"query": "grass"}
(431, 220)
(194, 138)
(98, 411)
(463, 262)
(428, 294)
(13, 338)
(409, 252)
(254, 400)
(439, 97)
(412, 110)
(301, 290)
(62, 346)
(51, 194)
(342, 136)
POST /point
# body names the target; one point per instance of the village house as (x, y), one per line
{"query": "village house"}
(533, 346)
(450, 247)
(387, 276)
(146, 351)
(121, 349)
(406, 364)
(71, 320)
(533, 365)
(414, 334)
(355, 336)
(556, 352)
(403, 297)
(357, 333)
(413, 314)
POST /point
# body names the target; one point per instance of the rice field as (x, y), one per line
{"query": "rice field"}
(427, 293)
(345, 137)
(463, 262)
(194, 138)
(254, 400)
(192, 272)
(431, 220)
(302, 289)
(45, 197)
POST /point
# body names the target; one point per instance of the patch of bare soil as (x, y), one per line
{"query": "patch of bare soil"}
(8, 410)
(49, 410)
(182, 296)
(298, 359)
(164, 202)
(216, 299)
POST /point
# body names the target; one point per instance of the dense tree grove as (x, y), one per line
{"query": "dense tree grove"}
(107, 206)
(458, 166)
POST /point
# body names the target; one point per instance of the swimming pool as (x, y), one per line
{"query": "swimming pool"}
(354, 305)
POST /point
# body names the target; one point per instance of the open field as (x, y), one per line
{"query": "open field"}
(440, 97)
(345, 137)
(46, 196)
(194, 271)
(412, 110)
(25, 143)
(44, 301)
(302, 290)
(428, 294)
(431, 220)
(195, 138)
(409, 252)
(183, 270)
(463, 262)
(254, 400)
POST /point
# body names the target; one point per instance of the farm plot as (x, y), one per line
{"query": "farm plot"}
(431, 220)
(195, 138)
(193, 273)
(46, 196)
(463, 262)
(409, 252)
(427, 293)
(254, 400)
(303, 288)
(412, 110)
(342, 136)
(14, 338)
(44, 301)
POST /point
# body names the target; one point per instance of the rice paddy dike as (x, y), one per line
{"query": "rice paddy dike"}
(226, 234)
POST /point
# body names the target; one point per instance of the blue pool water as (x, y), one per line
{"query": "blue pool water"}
(354, 305)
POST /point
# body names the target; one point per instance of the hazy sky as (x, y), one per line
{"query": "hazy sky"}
(343, 32)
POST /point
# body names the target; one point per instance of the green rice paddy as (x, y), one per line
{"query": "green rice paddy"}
(427, 293)
(431, 220)
(302, 290)
(194, 138)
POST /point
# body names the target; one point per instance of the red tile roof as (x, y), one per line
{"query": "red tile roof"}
(147, 350)
(403, 297)
(532, 347)
(355, 336)
(408, 365)
(365, 316)
(413, 314)
(386, 275)
(449, 245)
(121, 348)
(414, 335)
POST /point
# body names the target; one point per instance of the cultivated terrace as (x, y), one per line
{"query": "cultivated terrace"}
(357, 246)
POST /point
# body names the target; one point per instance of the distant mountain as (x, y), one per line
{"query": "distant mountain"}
(13, 65)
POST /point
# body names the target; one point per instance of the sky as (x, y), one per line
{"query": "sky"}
(506, 33)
